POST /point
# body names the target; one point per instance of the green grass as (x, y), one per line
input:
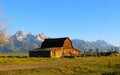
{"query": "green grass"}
(63, 66)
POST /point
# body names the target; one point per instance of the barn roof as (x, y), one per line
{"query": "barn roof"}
(53, 42)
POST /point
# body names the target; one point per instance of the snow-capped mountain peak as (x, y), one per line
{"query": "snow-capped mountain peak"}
(31, 33)
(20, 35)
(41, 37)
(30, 36)
(102, 43)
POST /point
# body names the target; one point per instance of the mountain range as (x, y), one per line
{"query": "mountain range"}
(23, 42)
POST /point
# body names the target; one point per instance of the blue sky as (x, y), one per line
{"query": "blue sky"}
(78, 19)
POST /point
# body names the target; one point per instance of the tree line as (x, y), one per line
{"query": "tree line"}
(110, 52)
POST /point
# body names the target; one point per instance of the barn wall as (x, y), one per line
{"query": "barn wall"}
(67, 51)
(67, 44)
(52, 53)
(39, 53)
(75, 52)
(70, 52)
(56, 52)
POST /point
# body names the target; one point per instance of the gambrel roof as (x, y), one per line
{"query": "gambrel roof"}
(56, 42)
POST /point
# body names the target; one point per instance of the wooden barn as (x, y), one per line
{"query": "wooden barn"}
(55, 47)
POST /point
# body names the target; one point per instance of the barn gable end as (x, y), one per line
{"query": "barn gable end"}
(67, 43)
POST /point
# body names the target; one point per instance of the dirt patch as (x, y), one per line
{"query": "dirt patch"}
(17, 67)
(29, 66)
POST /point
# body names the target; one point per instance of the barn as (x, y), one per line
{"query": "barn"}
(55, 47)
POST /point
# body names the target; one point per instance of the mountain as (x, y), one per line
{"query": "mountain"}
(40, 37)
(20, 35)
(3, 36)
(30, 37)
(22, 41)
(25, 42)
(101, 45)
(82, 45)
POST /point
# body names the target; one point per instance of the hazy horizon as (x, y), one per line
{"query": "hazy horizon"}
(80, 19)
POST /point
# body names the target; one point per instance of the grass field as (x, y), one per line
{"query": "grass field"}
(60, 66)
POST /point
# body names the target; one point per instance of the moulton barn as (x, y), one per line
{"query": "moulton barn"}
(55, 47)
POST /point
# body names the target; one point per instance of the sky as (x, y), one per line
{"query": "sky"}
(88, 20)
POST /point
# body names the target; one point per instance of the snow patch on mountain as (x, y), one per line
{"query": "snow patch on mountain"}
(40, 37)
(21, 36)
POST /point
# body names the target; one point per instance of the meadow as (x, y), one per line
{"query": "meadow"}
(109, 65)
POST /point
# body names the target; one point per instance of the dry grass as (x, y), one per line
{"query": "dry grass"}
(60, 66)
